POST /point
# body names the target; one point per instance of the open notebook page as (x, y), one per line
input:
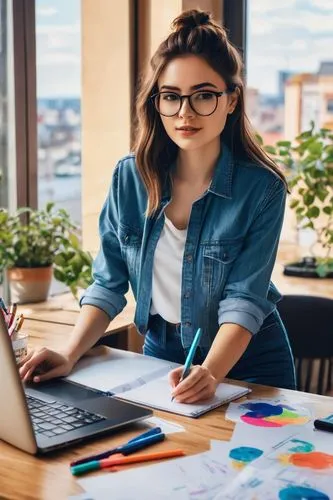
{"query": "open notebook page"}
(118, 371)
(157, 394)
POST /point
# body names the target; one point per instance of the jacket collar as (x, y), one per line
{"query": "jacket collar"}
(222, 179)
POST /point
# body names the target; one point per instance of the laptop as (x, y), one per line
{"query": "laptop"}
(40, 418)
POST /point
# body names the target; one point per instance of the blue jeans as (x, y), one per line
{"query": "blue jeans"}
(267, 360)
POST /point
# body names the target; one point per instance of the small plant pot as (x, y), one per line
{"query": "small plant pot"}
(306, 268)
(29, 284)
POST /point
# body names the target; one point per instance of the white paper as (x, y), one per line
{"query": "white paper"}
(249, 445)
(276, 483)
(269, 413)
(296, 447)
(166, 426)
(305, 450)
(118, 370)
(195, 477)
(157, 394)
(82, 496)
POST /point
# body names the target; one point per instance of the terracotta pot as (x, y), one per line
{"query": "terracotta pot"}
(29, 284)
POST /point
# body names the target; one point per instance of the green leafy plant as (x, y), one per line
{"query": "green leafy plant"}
(39, 238)
(72, 266)
(309, 165)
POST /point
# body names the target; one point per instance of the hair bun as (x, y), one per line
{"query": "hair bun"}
(191, 19)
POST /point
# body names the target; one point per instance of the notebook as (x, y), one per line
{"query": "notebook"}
(144, 380)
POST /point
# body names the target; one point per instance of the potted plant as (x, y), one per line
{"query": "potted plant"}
(34, 244)
(308, 161)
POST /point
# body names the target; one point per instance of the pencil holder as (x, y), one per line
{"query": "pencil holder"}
(20, 345)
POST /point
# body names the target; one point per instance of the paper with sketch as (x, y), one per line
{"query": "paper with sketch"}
(297, 447)
(248, 447)
(199, 476)
(157, 394)
(307, 449)
(268, 413)
(276, 483)
(143, 379)
(119, 371)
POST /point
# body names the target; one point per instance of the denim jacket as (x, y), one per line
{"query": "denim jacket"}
(229, 254)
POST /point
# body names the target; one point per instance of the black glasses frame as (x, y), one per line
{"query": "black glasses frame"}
(189, 97)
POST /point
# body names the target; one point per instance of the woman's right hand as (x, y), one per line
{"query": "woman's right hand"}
(44, 364)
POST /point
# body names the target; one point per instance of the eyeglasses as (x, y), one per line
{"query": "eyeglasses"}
(202, 102)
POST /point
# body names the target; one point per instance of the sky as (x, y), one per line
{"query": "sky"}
(291, 35)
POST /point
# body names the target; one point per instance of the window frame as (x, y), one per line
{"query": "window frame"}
(24, 44)
(235, 21)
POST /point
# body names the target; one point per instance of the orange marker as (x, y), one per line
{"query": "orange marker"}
(17, 326)
(19, 323)
(132, 459)
(119, 459)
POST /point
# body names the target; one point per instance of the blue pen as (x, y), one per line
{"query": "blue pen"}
(3, 305)
(190, 356)
(126, 449)
(108, 453)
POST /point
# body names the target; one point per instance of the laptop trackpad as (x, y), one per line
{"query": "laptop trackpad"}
(61, 390)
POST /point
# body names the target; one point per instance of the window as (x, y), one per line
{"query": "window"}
(289, 66)
(7, 123)
(58, 62)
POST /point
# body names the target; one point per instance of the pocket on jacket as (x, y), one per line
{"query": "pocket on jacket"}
(218, 258)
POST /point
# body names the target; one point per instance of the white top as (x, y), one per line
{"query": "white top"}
(167, 273)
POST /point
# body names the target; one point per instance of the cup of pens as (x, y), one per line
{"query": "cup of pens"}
(20, 346)
(14, 324)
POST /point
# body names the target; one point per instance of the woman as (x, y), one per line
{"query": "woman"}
(192, 221)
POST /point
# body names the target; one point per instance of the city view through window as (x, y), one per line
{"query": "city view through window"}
(289, 83)
(58, 55)
(289, 66)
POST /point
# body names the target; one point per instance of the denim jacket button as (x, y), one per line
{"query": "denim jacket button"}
(189, 258)
(187, 295)
(188, 323)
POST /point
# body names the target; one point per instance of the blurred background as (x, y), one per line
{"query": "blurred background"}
(69, 71)
(68, 76)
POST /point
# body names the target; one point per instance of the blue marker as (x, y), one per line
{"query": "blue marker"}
(190, 356)
(3, 305)
(119, 449)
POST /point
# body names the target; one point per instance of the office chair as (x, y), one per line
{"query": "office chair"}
(309, 324)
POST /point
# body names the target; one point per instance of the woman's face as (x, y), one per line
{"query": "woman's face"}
(188, 129)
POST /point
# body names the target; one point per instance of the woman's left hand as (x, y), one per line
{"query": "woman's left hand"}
(199, 385)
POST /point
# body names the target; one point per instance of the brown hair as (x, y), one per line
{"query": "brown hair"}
(195, 33)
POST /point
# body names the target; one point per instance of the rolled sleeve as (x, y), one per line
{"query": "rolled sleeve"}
(241, 312)
(245, 298)
(103, 298)
(110, 271)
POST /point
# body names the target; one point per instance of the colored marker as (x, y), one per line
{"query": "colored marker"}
(190, 356)
(121, 460)
(117, 449)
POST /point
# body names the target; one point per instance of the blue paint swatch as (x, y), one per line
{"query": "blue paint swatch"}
(301, 493)
(245, 454)
(263, 410)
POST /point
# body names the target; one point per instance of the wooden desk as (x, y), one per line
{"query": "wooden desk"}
(63, 310)
(292, 285)
(23, 476)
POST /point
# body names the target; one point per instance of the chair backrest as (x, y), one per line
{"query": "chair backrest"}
(309, 324)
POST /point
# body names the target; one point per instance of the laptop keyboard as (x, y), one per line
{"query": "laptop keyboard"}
(53, 419)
